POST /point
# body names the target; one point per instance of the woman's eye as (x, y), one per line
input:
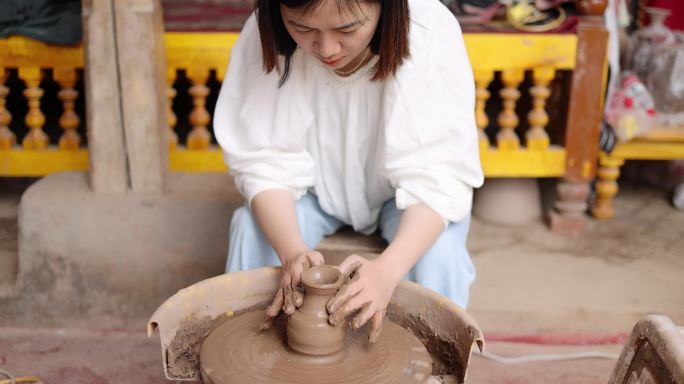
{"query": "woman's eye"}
(303, 30)
(349, 31)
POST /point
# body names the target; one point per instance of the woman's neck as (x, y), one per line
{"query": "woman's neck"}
(362, 59)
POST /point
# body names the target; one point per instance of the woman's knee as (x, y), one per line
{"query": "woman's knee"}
(446, 252)
(447, 269)
(247, 247)
(449, 255)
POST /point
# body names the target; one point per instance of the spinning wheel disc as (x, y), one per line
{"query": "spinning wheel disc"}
(236, 352)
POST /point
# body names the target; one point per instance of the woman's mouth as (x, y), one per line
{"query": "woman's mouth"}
(331, 63)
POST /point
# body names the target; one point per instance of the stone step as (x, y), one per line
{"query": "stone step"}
(10, 195)
(8, 255)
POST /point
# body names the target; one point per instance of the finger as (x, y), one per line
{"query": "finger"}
(350, 265)
(296, 277)
(364, 315)
(297, 298)
(276, 305)
(348, 290)
(376, 326)
(352, 305)
(267, 323)
(288, 305)
(315, 258)
(286, 280)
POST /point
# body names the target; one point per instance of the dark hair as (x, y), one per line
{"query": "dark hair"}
(390, 41)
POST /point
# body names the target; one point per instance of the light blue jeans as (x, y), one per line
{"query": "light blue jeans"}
(445, 268)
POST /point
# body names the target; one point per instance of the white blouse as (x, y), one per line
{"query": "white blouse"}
(353, 142)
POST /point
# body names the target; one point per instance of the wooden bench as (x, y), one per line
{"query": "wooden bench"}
(659, 144)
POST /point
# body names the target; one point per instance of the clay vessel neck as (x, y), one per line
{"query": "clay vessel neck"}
(320, 285)
(308, 330)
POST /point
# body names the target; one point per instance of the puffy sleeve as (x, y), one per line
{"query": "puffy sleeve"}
(262, 127)
(432, 150)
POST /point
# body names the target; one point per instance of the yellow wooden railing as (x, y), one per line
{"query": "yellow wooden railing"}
(512, 55)
(198, 54)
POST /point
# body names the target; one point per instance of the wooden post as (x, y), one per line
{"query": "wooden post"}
(108, 166)
(142, 74)
(585, 113)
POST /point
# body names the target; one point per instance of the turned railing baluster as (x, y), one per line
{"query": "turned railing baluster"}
(69, 121)
(508, 120)
(482, 81)
(170, 115)
(536, 137)
(199, 138)
(7, 137)
(35, 119)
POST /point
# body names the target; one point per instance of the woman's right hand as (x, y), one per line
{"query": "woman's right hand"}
(289, 295)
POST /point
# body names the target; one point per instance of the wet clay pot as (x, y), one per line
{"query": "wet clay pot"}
(308, 330)
(305, 348)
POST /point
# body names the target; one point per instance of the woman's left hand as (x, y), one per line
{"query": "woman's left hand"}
(369, 288)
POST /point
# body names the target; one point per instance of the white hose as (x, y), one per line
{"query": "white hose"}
(549, 357)
(8, 375)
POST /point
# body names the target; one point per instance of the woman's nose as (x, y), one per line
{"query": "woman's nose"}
(327, 47)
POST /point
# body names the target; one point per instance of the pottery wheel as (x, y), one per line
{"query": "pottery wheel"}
(236, 352)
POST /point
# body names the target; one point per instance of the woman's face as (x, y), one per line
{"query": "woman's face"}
(333, 36)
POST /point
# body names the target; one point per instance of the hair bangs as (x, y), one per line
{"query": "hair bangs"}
(307, 7)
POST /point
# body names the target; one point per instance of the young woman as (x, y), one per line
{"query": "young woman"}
(360, 113)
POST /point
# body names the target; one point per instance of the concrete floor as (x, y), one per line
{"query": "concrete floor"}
(530, 281)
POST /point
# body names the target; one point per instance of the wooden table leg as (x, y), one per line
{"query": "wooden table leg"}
(606, 186)
(569, 213)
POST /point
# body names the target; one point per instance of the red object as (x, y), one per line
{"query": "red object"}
(559, 338)
(206, 15)
(629, 102)
(676, 19)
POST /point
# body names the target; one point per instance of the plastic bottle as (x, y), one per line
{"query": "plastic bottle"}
(630, 110)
